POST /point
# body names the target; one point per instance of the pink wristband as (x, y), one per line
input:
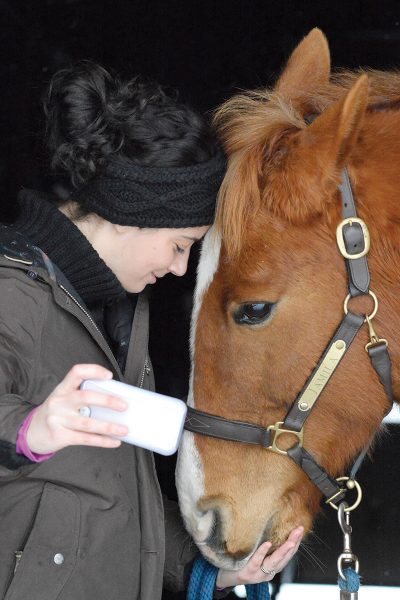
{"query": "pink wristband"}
(22, 444)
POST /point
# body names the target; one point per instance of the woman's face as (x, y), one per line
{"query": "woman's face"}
(138, 257)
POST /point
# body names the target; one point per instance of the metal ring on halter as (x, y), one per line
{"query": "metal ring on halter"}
(376, 304)
(267, 572)
(351, 484)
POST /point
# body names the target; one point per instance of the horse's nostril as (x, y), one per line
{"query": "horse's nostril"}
(218, 543)
(204, 525)
(216, 539)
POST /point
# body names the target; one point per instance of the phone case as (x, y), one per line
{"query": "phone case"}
(155, 421)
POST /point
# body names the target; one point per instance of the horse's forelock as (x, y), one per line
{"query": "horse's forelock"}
(251, 127)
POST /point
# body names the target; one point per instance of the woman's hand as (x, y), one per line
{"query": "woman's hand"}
(272, 564)
(57, 422)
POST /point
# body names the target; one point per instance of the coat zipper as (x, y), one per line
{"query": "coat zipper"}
(146, 368)
(146, 371)
(18, 556)
(85, 312)
(80, 306)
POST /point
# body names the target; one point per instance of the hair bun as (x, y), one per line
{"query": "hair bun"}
(93, 116)
(81, 129)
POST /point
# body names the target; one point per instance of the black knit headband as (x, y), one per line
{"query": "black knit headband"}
(125, 193)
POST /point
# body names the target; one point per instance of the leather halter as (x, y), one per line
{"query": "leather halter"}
(353, 242)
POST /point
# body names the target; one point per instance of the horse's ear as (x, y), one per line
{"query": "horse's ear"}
(335, 131)
(315, 157)
(308, 67)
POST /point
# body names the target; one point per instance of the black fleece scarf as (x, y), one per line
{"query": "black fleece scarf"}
(44, 225)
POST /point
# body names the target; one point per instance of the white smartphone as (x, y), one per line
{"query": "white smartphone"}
(155, 421)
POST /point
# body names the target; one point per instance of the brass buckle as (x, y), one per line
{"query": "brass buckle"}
(279, 431)
(340, 238)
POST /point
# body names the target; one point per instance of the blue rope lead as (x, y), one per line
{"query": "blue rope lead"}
(352, 581)
(202, 583)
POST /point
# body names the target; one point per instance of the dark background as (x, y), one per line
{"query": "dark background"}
(207, 50)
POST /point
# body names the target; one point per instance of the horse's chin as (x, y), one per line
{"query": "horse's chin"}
(222, 560)
(217, 538)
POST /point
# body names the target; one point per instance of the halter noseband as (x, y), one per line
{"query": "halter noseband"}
(353, 242)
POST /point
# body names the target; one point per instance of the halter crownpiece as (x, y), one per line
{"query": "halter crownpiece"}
(126, 193)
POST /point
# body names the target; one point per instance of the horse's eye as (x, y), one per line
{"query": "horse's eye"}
(253, 313)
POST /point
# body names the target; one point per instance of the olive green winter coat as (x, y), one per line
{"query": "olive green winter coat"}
(88, 523)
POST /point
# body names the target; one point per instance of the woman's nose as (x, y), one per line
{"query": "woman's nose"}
(179, 265)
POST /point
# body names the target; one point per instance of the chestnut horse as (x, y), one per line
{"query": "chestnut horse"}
(270, 292)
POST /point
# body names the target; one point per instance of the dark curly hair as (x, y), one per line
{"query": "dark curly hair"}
(93, 115)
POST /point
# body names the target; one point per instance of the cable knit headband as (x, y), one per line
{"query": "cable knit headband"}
(125, 193)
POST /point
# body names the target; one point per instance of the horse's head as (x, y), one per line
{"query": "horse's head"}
(270, 294)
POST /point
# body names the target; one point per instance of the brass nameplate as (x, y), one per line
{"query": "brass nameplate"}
(322, 376)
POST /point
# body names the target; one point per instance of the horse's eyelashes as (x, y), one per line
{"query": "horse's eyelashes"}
(253, 313)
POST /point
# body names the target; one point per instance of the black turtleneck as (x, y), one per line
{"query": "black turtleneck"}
(47, 227)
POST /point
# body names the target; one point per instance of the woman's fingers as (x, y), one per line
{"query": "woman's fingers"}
(89, 398)
(59, 431)
(78, 438)
(86, 424)
(72, 402)
(58, 422)
(259, 555)
(64, 413)
(78, 374)
(271, 564)
(282, 555)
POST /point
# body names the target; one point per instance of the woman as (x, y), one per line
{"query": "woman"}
(81, 514)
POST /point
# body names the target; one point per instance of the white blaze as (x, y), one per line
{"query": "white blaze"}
(208, 264)
(189, 471)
